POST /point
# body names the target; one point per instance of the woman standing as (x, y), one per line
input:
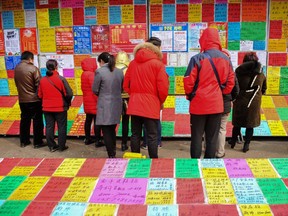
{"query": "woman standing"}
(246, 108)
(108, 87)
(56, 95)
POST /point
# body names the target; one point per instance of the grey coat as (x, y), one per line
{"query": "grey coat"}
(108, 87)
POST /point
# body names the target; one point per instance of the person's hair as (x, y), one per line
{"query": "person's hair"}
(51, 65)
(155, 41)
(26, 55)
(250, 56)
(107, 58)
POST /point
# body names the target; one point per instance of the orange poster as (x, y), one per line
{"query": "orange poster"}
(2, 47)
(28, 40)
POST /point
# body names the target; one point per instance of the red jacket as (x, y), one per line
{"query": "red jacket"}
(52, 99)
(146, 82)
(89, 67)
(208, 98)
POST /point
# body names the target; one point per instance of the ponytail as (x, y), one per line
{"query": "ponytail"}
(107, 58)
(51, 66)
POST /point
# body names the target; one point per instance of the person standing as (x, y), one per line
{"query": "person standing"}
(122, 63)
(246, 108)
(56, 95)
(89, 67)
(204, 91)
(27, 78)
(147, 84)
(108, 87)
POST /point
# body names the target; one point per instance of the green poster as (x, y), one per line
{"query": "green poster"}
(283, 81)
(283, 115)
(12, 207)
(167, 128)
(187, 168)
(138, 168)
(180, 71)
(274, 190)
(253, 31)
(280, 164)
(9, 184)
(171, 85)
(54, 17)
(234, 45)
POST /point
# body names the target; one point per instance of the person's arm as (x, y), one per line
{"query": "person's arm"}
(162, 84)
(230, 81)
(126, 82)
(96, 83)
(190, 77)
(37, 77)
(264, 86)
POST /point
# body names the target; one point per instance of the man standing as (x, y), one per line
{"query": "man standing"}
(27, 78)
(208, 76)
(147, 84)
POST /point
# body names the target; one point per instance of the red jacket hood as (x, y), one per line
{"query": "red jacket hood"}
(146, 51)
(210, 40)
(89, 64)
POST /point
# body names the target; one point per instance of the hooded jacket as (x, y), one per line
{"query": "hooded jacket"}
(208, 98)
(146, 82)
(89, 67)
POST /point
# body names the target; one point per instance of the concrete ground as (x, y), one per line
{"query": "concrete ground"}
(172, 148)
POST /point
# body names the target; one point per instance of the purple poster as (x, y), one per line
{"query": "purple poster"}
(114, 168)
(238, 168)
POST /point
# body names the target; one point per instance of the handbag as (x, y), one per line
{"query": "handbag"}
(67, 99)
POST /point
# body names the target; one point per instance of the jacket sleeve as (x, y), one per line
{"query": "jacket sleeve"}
(39, 91)
(235, 90)
(190, 77)
(68, 89)
(126, 83)
(264, 86)
(162, 84)
(37, 76)
(230, 81)
(96, 83)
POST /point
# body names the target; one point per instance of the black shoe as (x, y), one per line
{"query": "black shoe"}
(221, 156)
(89, 141)
(246, 147)
(54, 148)
(40, 145)
(99, 144)
(112, 157)
(124, 147)
(63, 149)
(22, 145)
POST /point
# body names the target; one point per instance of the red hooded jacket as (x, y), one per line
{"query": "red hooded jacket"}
(89, 67)
(208, 98)
(146, 82)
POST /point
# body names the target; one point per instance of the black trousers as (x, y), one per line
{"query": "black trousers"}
(31, 111)
(210, 124)
(125, 128)
(87, 127)
(248, 134)
(152, 134)
(109, 136)
(61, 119)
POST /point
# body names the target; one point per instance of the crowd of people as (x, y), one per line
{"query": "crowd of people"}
(122, 90)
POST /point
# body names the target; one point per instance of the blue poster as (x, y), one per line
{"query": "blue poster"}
(11, 62)
(233, 31)
(259, 45)
(90, 16)
(8, 19)
(220, 12)
(115, 14)
(82, 39)
(138, 2)
(4, 88)
(29, 4)
(168, 15)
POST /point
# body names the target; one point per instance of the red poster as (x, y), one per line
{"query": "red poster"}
(39, 208)
(209, 210)
(126, 37)
(30, 162)
(156, 13)
(279, 210)
(140, 14)
(46, 4)
(275, 31)
(182, 124)
(47, 167)
(207, 12)
(241, 57)
(100, 38)
(29, 40)
(189, 191)
(277, 59)
(2, 43)
(125, 210)
(254, 11)
(12, 5)
(162, 168)
(64, 40)
(120, 2)
(234, 12)
(8, 164)
(168, 1)
(78, 16)
(182, 12)
(91, 167)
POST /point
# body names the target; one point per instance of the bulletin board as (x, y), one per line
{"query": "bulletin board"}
(70, 31)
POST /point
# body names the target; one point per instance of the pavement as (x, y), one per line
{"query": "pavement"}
(171, 148)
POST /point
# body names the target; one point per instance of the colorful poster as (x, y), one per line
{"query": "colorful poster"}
(2, 42)
(72, 3)
(90, 16)
(12, 5)
(30, 18)
(194, 32)
(66, 17)
(47, 40)
(46, 4)
(12, 45)
(42, 18)
(78, 16)
(29, 40)
(102, 15)
(82, 40)
(195, 13)
(64, 40)
(19, 19)
(127, 15)
(100, 38)
(139, 14)
(54, 17)
(126, 37)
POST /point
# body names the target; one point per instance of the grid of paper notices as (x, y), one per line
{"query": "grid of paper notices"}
(33, 186)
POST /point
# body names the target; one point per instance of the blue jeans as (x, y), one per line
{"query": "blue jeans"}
(159, 129)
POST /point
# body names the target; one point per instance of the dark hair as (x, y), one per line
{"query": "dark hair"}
(250, 56)
(26, 55)
(107, 58)
(155, 41)
(51, 65)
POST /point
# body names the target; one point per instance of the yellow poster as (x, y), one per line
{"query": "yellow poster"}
(78, 85)
(273, 80)
(276, 128)
(102, 15)
(170, 102)
(267, 102)
(214, 173)
(78, 72)
(3, 74)
(277, 45)
(72, 113)
(47, 40)
(21, 171)
(4, 113)
(29, 188)
(42, 18)
(102, 3)
(127, 14)
(261, 168)
(179, 85)
(195, 13)
(156, 1)
(69, 167)
(12, 87)
(19, 19)
(160, 197)
(220, 191)
(255, 209)
(100, 209)
(2, 63)
(285, 28)
(79, 190)
(66, 17)
(278, 10)
(90, 3)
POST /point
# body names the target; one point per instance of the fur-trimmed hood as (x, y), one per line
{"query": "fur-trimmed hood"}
(146, 51)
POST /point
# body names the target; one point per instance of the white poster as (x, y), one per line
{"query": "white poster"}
(12, 42)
